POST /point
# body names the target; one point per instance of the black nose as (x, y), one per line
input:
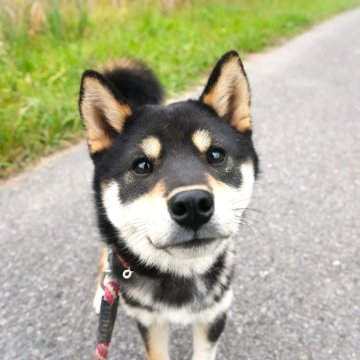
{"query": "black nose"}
(191, 208)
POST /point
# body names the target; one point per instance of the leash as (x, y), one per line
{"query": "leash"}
(109, 304)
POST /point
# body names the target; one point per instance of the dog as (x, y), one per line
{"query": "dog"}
(171, 184)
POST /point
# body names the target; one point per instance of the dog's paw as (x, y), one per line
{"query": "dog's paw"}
(97, 299)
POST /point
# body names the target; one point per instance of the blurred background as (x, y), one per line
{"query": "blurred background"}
(45, 46)
(298, 261)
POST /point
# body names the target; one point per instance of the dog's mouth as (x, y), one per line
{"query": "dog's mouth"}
(196, 242)
(192, 244)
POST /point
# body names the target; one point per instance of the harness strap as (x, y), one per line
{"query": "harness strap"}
(127, 272)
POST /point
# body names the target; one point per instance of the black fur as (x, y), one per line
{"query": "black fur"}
(138, 84)
(144, 334)
(216, 328)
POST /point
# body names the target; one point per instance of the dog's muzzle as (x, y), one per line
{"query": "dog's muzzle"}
(191, 209)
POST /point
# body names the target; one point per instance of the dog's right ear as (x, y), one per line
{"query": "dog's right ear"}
(102, 109)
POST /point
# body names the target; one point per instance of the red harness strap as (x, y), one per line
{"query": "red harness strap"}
(123, 262)
(127, 272)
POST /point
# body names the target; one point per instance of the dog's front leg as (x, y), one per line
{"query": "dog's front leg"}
(206, 336)
(156, 339)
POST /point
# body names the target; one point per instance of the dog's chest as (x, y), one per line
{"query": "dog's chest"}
(168, 291)
(177, 292)
(174, 292)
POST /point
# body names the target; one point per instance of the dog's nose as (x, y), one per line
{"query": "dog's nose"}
(191, 208)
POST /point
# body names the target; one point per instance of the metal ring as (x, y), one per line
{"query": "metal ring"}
(127, 274)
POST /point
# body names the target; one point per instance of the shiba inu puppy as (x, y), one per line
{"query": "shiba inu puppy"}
(171, 185)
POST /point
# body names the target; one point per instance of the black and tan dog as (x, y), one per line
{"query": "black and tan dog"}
(171, 185)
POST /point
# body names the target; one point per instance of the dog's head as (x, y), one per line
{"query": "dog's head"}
(173, 180)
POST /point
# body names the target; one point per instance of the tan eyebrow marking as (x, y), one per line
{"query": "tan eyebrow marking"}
(202, 140)
(151, 147)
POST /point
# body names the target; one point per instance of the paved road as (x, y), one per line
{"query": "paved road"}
(297, 287)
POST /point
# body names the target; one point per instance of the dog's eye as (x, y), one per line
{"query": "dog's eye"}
(215, 156)
(142, 167)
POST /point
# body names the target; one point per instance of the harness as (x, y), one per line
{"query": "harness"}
(109, 303)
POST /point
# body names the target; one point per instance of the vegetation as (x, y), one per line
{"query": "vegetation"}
(45, 46)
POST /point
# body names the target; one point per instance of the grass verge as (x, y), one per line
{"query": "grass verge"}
(44, 47)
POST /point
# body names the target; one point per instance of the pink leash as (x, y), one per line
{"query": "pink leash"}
(109, 305)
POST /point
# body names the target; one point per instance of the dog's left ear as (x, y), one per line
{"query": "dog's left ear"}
(228, 92)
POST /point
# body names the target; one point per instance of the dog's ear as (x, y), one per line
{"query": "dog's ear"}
(228, 92)
(103, 110)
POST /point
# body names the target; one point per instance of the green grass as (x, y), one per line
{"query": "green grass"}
(40, 67)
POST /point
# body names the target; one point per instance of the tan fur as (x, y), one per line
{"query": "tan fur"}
(230, 96)
(158, 190)
(215, 184)
(127, 64)
(102, 113)
(203, 348)
(157, 342)
(151, 147)
(97, 143)
(202, 140)
(102, 263)
(187, 188)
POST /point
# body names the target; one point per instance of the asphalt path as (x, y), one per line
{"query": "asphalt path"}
(297, 290)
